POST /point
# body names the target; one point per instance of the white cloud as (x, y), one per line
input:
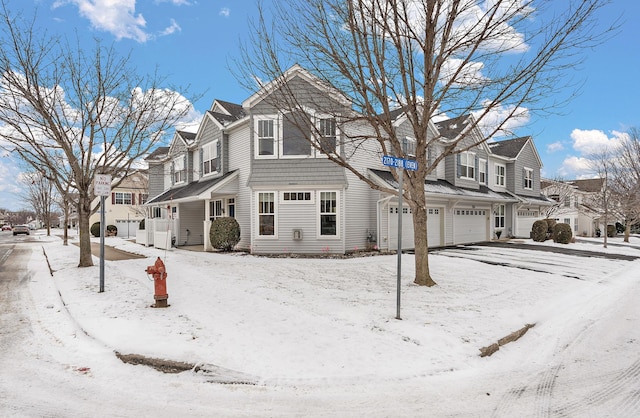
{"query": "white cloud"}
(555, 147)
(117, 17)
(468, 74)
(593, 141)
(225, 11)
(509, 117)
(174, 27)
(575, 167)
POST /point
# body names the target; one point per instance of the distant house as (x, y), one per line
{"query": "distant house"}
(251, 161)
(577, 204)
(125, 208)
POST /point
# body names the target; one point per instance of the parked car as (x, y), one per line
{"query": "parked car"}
(6, 227)
(20, 229)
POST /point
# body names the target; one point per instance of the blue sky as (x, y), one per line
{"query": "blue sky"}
(193, 43)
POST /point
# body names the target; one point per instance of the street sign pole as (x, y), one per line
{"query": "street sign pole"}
(102, 188)
(102, 232)
(401, 164)
(399, 263)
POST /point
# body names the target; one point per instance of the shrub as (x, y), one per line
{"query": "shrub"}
(611, 231)
(562, 233)
(620, 228)
(551, 223)
(224, 233)
(539, 230)
(95, 229)
(112, 231)
(141, 225)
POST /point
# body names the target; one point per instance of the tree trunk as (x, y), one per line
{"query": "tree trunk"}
(627, 231)
(86, 259)
(419, 208)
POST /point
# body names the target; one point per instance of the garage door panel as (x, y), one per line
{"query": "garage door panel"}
(434, 219)
(470, 225)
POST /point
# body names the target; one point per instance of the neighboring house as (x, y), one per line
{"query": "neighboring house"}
(125, 208)
(577, 204)
(252, 162)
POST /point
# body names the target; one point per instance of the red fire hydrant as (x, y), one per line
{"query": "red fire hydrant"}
(159, 274)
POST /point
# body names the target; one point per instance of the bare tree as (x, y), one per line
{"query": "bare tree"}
(625, 182)
(559, 190)
(430, 58)
(602, 164)
(40, 196)
(77, 113)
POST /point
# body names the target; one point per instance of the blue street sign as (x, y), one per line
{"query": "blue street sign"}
(400, 163)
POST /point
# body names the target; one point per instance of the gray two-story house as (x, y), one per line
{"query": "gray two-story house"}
(254, 161)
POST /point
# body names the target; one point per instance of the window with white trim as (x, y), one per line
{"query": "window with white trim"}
(266, 137)
(328, 213)
(215, 210)
(501, 174)
(327, 136)
(482, 171)
(266, 214)
(468, 165)
(296, 134)
(179, 170)
(210, 158)
(409, 146)
(122, 198)
(528, 179)
(499, 216)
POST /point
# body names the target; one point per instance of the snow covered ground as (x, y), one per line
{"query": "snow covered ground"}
(319, 336)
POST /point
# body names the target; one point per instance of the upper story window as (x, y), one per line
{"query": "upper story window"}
(122, 198)
(296, 135)
(409, 146)
(528, 179)
(179, 170)
(210, 158)
(482, 171)
(567, 201)
(501, 174)
(467, 165)
(266, 137)
(328, 135)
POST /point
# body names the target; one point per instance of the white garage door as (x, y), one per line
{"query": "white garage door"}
(470, 225)
(434, 216)
(127, 228)
(525, 221)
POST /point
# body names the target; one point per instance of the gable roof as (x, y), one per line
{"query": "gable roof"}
(588, 185)
(231, 109)
(509, 148)
(451, 128)
(158, 154)
(296, 71)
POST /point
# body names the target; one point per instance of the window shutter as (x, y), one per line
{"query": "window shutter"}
(201, 152)
(218, 160)
(172, 171)
(524, 178)
(113, 199)
(458, 165)
(133, 198)
(486, 172)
